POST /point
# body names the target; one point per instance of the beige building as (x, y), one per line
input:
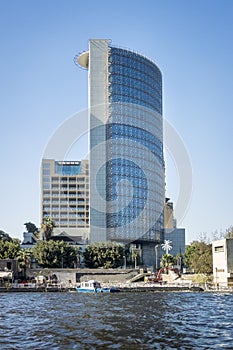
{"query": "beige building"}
(169, 221)
(65, 196)
(223, 262)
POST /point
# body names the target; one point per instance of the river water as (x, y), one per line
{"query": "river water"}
(116, 321)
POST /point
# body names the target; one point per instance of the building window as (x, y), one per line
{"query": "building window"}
(219, 249)
(67, 168)
(46, 165)
(219, 270)
(46, 171)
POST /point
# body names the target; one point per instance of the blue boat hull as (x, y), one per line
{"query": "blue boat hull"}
(98, 290)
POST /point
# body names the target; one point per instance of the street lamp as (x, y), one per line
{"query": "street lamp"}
(124, 261)
(156, 257)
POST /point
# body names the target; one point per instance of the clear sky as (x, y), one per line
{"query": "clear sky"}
(40, 87)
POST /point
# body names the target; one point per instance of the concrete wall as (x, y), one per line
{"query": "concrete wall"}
(72, 277)
(229, 246)
(220, 257)
(98, 113)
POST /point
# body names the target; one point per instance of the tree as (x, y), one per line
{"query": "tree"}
(190, 253)
(30, 227)
(198, 256)
(167, 246)
(229, 232)
(106, 255)
(55, 254)
(9, 249)
(135, 256)
(47, 226)
(5, 237)
(167, 260)
(24, 259)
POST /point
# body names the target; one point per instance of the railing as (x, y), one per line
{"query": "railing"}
(34, 285)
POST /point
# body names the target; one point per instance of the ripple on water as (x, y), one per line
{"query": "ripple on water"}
(116, 321)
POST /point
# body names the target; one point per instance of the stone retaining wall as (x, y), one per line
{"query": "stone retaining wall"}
(72, 277)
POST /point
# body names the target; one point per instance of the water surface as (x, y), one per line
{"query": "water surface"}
(116, 321)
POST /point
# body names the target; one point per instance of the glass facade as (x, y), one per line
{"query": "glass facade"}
(135, 167)
(126, 144)
(134, 79)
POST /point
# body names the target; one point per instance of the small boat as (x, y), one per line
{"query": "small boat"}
(93, 286)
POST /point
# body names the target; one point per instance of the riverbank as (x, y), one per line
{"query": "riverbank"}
(126, 288)
(127, 280)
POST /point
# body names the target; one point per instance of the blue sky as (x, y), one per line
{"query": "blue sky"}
(40, 87)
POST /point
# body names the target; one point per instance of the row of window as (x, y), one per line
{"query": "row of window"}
(69, 180)
(118, 173)
(71, 188)
(66, 209)
(145, 164)
(116, 131)
(132, 131)
(142, 100)
(139, 81)
(63, 169)
(62, 202)
(71, 223)
(77, 217)
(132, 86)
(65, 193)
(127, 113)
(135, 61)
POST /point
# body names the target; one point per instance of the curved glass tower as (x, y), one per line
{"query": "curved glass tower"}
(126, 144)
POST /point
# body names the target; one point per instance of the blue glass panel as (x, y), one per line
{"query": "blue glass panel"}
(67, 169)
(121, 168)
(134, 79)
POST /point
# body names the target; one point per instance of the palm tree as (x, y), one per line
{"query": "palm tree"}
(166, 245)
(24, 260)
(167, 260)
(135, 256)
(47, 226)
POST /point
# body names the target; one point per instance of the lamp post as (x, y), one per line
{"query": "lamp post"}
(156, 257)
(124, 261)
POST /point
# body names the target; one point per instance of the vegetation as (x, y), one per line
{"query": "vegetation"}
(198, 256)
(135, 257)
(24, 260)
(106, 255)
(167, 260)
(9, 249)
(47, 226)
(229, 232)
(5, 237)
(55, 254)
(30, 227)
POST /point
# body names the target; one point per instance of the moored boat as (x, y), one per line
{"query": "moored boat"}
(93, 286)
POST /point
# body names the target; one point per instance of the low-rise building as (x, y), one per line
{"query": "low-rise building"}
(8, 270)
(223, 262)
